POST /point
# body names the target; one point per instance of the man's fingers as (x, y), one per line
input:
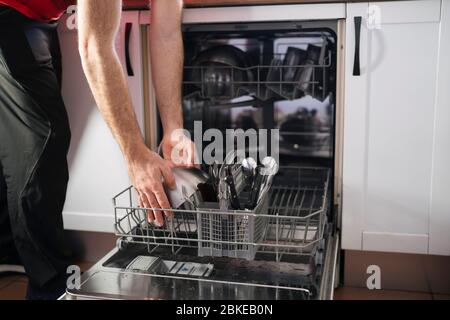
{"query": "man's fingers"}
(163, 201)
(169, 163)
(141, 204)
(168, 177)
(193, 157)
(159, 220)
(145, 203)
(187, 160)
(190, 155)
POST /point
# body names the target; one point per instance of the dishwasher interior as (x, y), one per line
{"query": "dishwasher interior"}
(255, 76)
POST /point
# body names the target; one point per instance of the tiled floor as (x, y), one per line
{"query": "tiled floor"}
(14, 288)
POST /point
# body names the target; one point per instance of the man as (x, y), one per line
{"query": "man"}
(34, 129)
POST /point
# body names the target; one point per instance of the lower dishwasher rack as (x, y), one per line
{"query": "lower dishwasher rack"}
(292, 249)
(291, 224)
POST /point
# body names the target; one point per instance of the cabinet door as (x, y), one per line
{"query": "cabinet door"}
(96, 165)
(440, 198)
(389, 118)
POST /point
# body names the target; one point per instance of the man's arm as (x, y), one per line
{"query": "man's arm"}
(167, 55)
(98, 23)
(166, 49)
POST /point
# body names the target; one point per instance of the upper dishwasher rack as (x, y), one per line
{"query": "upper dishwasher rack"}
(292, 70)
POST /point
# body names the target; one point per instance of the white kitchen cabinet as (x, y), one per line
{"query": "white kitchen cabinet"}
(440, 200)
(96, 165)
(396, 129)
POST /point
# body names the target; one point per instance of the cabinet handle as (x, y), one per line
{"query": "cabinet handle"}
(356, 65)
(128, 27)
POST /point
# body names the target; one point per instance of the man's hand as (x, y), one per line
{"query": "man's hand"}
(179, 149)
(148, 172)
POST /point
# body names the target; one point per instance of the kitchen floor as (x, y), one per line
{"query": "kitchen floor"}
(352, 293)
(14, 288)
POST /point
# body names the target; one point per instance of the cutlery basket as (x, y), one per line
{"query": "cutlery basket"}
(233, 234)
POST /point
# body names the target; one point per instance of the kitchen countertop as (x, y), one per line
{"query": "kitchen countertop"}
(142, 4)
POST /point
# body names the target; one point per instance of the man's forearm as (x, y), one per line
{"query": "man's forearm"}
(105, 76)
(108, 85)
(167, 61)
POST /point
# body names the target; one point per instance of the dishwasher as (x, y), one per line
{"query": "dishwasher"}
(278, 76)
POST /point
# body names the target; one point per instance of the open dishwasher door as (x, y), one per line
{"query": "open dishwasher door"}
(102, 282)
(295, 249)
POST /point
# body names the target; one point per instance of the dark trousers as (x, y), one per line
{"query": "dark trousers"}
(34, 141)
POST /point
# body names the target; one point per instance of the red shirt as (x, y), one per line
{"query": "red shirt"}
(40, 10)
